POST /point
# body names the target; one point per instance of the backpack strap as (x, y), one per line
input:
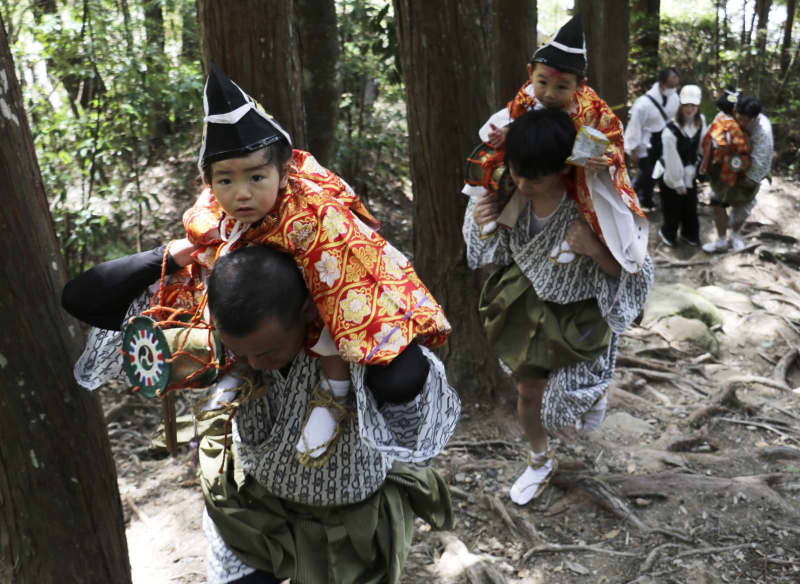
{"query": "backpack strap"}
(658, 105)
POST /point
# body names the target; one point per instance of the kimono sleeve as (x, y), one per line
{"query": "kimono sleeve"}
(622, 299)
(414, 431)
(493, 249)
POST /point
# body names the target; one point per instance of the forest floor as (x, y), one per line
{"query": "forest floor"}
(693, 477)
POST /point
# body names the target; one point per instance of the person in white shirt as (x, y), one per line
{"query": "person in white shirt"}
(678, 170)
(647, 118)
(741, 198)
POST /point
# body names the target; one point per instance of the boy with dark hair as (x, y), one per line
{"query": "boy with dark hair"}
(269, 516)
(556, 81)
(741, 195)
(554, 311)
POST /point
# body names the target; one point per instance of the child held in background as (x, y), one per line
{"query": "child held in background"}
(554, 311)
(556, 80)
(678, 169)
(725, 157)
(371, 303)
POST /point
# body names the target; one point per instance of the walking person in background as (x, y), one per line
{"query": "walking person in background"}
(648, 118)
(678, 170)
(741, 197)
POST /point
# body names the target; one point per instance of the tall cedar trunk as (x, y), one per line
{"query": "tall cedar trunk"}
(190, 40)
(319, 55)
(786, 45)
(255, 43)
(645, 36)
(444, 44)
(762, 10)
(158, 122)
(605, 25)
(515, 44)
(60, 512)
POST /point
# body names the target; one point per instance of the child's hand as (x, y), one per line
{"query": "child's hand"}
(486, 209)
(497, 136)
(181, 251)
(582, 240)
(598, 163)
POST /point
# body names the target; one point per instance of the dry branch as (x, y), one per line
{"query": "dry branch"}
(601, 493)
(554, 547)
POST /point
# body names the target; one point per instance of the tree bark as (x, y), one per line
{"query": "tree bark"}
(155, 77)
(449, 94)
(605, 25)
(645, 35)
(60, 511)
(786, 45)
(319, 55)
(255, 43)
(190, 40)
(515, 44)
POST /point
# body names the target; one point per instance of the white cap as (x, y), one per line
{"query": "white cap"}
(691, 94)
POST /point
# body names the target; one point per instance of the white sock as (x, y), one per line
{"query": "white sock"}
(526, 486)
(321, 424)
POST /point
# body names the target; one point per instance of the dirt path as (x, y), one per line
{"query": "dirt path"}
(694, 476)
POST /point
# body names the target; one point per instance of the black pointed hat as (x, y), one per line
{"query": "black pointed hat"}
(235, 124)
(566, 50)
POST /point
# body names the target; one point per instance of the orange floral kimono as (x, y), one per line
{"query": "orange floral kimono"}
(724, 137)
(366, 291)
(591, 111)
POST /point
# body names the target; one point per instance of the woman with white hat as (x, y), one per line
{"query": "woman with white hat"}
(681, 143)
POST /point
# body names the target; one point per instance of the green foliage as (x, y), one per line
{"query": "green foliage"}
(371, 136)
(99, 113)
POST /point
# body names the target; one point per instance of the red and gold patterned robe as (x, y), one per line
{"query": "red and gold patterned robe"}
(724, 137)
(589, 110)
(366, 291)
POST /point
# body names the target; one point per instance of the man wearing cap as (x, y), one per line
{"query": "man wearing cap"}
(647, 118)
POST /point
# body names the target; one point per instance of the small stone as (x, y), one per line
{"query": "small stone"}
(639, 502)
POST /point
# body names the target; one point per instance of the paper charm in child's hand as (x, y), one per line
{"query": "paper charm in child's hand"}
(589, 143)
(562, 253)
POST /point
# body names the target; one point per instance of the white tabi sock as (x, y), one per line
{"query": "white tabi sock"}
(321, 424)
(533, 480)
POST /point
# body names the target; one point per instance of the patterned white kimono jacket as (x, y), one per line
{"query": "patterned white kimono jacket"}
(570, 390)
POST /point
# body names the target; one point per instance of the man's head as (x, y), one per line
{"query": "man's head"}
(537, 147)
(668, 80)
(747, 109)
(260, 306)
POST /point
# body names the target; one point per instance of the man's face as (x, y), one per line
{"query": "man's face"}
(672, 82)
(270, 346)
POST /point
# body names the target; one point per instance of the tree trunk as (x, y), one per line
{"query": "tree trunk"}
(444, 44)
(515, 44)
(319, 56)
(605, 25)
(786, 46)
(645, 36)
(255, 43)
(190, 40)
(60, 511)
(155, 78)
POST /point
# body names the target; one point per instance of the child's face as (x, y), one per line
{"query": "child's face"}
(247, 187)
(553, 88)
(533, 188)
